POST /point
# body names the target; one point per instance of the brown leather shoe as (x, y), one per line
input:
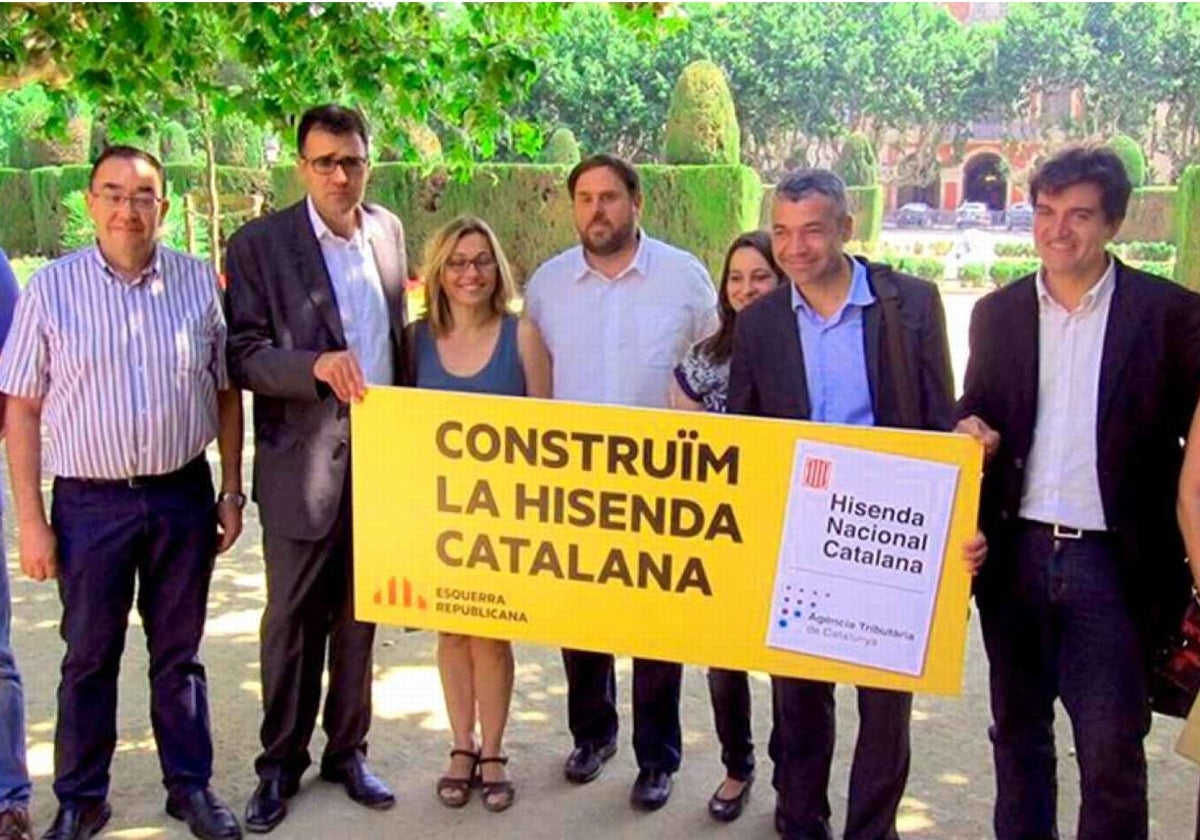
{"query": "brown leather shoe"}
(15, 825)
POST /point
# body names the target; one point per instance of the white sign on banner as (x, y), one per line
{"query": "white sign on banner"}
(861, 556)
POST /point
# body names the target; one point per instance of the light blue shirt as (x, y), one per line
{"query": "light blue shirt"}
(835, 362)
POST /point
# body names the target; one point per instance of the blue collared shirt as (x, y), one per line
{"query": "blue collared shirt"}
(835, 362)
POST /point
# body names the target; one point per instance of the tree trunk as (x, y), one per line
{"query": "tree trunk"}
(210, 173)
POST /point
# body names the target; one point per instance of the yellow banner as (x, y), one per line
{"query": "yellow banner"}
(649, 533)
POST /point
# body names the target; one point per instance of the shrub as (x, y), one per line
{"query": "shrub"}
(1131, 155)
(1006, 271)
(927, 268)
(176, 145)
(40, 150)
(866, 206)
(561, 148)
(972, 273)
(238, 142)
(1149, 251)
(1187, 210)
(702, 126)
(1163, 268)
(941, 247)
(857, 164)
(1024, 250)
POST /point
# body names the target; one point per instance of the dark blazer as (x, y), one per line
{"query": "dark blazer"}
(282, 314)
(1149, 382)
(767, 376)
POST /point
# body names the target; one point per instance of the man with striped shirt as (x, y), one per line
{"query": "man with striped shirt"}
(119, 349)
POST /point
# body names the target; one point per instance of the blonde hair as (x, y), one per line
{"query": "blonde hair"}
(437, 253)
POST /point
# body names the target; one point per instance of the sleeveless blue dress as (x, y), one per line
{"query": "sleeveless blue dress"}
(503, 373)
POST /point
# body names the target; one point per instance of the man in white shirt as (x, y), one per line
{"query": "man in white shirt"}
(1081, 381)
(617, 312)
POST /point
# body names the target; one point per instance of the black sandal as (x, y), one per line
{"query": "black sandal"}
(504, 789)
(455, 791)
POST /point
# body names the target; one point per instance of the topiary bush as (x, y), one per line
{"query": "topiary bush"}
(176, 145)
(238, 142)
(927, 268)
(1149, 251)
(561, 148)
(1131, 155)
(857, 163)
(1187, 210)
(702, 126)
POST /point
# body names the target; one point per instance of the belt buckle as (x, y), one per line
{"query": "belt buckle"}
(1063, 532)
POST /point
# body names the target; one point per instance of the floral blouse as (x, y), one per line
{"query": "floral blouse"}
(702, 380)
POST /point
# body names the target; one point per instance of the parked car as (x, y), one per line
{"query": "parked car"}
(914, 214)
(1019, 216)
(972, 214)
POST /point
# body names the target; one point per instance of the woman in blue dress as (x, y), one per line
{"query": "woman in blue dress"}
(469, 341)
(702, 384)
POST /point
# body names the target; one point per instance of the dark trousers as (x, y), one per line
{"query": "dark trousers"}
(592, 706)
(310, 602)
(802, 749)
(163, 536)
(1062, 629)
(730, 694)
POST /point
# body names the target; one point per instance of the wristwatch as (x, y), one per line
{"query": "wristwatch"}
(233, 497)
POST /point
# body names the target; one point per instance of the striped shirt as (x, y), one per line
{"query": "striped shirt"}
(128, 371)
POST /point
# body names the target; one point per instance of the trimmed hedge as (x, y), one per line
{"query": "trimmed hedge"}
(18, 233)
(50, 185)
(1150, 217)
(698, 208)
(1006, 271)
(866, 206)
(1187, 223)
(36, 196)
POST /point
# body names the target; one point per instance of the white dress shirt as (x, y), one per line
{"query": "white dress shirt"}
(1061, 483)
(359, 293)
(617, 341)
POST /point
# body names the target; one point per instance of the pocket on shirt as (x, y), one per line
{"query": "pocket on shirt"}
(659, 329)
(193, 349)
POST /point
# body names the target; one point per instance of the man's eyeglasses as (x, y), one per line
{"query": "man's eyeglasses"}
(483, 264)
(141, 203)
(326, 164)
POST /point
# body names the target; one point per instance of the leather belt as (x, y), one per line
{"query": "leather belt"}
(134, 482)
(1064, 532)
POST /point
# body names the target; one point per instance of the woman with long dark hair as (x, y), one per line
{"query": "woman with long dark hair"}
(702, 384)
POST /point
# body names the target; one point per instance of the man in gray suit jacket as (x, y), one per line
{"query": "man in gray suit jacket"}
(316, 315)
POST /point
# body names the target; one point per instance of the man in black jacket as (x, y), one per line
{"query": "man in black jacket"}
(1084, 377)
(842, 342)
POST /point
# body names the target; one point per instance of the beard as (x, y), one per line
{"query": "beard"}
(606, 240)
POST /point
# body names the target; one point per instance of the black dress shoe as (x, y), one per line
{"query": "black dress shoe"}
(728, 810)
(267, 806)
(78, 820)
(205, 814)
(820, 830)
(363, 786)
(651, 790)
(585, 763)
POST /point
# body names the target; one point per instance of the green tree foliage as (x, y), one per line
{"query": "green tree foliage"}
(702, 123)
(857, 163)
(1131, 155)
(459, 67)
(561, 148)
